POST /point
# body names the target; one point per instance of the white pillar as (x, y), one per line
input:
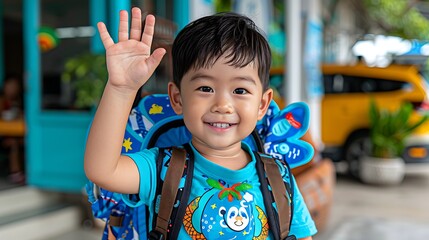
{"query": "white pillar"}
(292, 87)
(312, 59)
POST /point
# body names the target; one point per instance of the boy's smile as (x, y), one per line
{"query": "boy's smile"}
(220, 106)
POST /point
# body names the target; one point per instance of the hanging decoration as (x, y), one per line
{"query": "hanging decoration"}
(47, 38)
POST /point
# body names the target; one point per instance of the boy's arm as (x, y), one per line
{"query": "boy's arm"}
(302, 225)
(307, 238)
(129, 64)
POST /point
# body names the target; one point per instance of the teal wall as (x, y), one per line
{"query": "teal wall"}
(98, 11)
(181, 13)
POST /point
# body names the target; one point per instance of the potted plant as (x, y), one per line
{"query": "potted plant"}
(388, 133)
(87, 75)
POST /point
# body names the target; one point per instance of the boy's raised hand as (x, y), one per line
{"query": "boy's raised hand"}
(130, 62)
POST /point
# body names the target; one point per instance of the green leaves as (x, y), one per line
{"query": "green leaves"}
(399, 18)
(233, 192)
(88, 75)
(215, 184)
(389, 129)
(243, 187)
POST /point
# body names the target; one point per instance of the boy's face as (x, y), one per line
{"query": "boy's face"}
(220, 105)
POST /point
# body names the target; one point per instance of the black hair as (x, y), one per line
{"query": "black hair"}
(202, 42)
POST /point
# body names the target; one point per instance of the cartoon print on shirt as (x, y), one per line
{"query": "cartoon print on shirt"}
(225, 212)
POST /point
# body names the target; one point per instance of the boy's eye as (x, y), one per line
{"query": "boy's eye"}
(240, 91)
(205, 89)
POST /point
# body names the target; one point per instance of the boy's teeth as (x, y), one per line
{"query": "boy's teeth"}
(220, 125)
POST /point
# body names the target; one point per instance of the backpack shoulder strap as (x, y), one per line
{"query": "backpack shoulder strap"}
(279, 193)
(168, 194)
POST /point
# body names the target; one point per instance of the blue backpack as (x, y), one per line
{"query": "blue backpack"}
(153, 123)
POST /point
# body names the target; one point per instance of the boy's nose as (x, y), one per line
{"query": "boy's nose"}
(222, 105)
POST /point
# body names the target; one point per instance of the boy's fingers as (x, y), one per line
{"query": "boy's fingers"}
(104, 35)
(149, 29)
(154, 59)
(123, 26)
(136, 24)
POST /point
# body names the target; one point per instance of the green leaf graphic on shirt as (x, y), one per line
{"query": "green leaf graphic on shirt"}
(233, 192)
(215, 184)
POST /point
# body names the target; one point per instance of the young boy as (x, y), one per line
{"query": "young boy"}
(220, 86)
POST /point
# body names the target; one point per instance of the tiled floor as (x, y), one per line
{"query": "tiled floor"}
(82, 234)
(371, 212)
(368, 228)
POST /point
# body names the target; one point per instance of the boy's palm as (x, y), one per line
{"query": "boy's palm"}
(127, 65)
(129, 61)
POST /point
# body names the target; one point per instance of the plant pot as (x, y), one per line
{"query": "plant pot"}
(382, 171)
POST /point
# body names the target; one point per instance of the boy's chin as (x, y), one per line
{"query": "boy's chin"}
(215, 144)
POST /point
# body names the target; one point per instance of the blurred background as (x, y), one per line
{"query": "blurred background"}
(361, 66)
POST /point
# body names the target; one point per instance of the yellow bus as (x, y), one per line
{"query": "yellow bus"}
(348, 90)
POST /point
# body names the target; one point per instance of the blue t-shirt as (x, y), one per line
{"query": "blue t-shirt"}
(223, 203)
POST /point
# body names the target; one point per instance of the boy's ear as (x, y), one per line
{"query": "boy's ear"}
(175, 98)
(265, 103)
